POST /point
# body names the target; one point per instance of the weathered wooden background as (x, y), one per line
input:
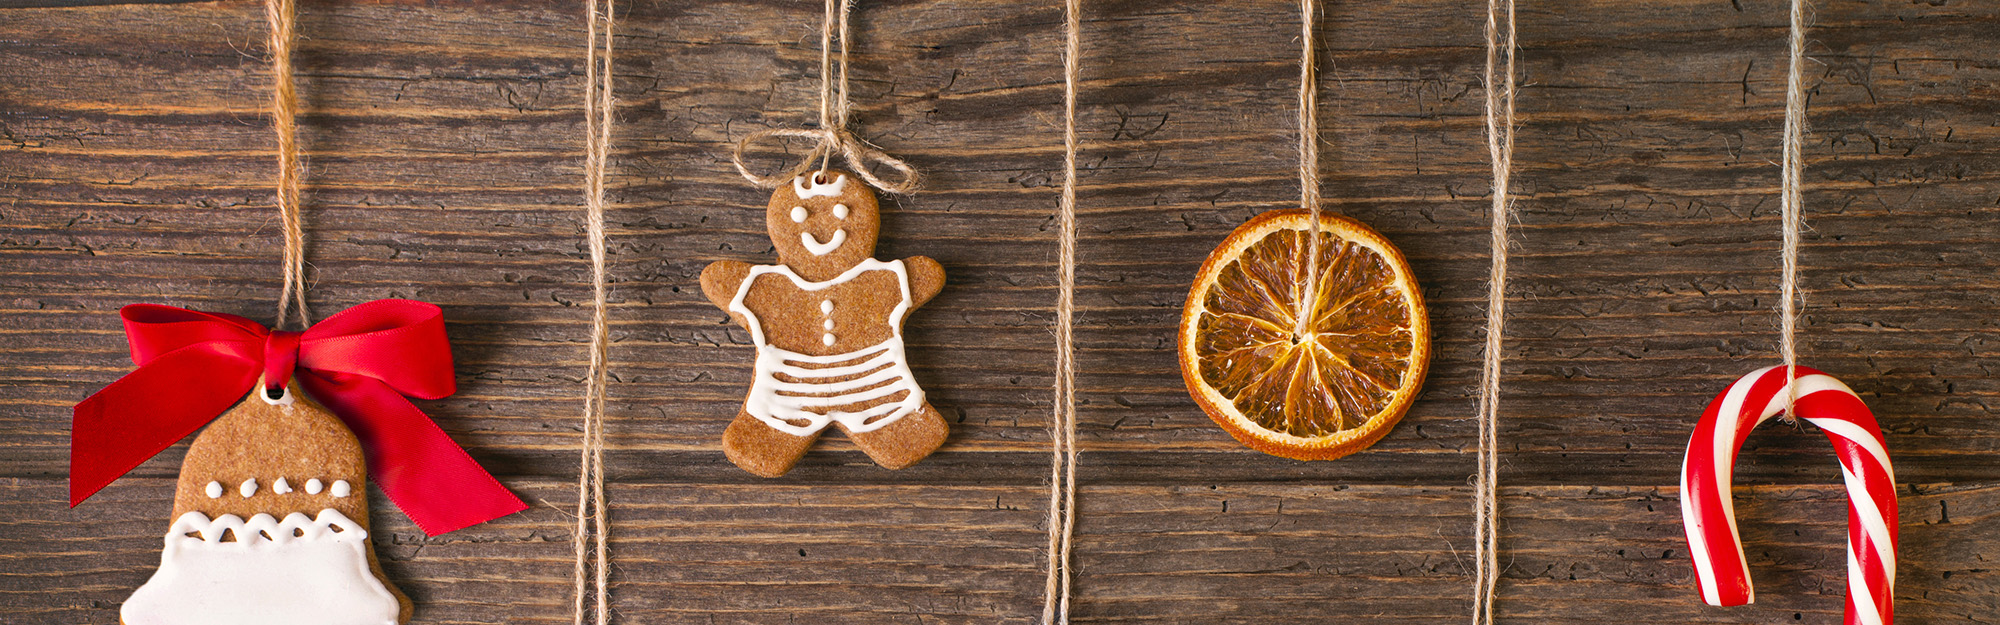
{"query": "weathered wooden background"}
(444, 140)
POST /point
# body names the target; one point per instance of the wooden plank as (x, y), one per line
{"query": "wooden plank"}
(1241, 553)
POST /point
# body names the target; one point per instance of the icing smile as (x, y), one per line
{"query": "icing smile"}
(820, 249)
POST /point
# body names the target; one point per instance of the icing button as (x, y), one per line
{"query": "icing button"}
(249, 487)
(828, 325)
(313, 486)
(826, 307)
(341, 489)
(799, 214)
(827, 338)
(281, 486)
(214, 490)
(840, 211)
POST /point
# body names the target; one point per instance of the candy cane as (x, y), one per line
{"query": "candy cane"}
(1710, 517)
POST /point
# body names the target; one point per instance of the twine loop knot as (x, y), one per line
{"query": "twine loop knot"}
(860, 155)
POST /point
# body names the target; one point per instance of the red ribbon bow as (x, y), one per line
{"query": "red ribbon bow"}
(360, 364)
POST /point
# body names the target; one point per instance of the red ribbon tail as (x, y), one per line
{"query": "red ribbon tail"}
(176, 393)
(429, 477)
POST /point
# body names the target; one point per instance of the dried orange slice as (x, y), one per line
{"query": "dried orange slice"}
(1338, 388)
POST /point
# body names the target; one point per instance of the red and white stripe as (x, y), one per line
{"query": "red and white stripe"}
(1709, 516)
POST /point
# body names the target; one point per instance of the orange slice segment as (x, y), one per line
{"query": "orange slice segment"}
(1343, 384)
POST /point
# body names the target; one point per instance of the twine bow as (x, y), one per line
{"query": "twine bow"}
(831, 137)
(859, 155)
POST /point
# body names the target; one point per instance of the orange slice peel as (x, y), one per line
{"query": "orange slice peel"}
(1340, 386)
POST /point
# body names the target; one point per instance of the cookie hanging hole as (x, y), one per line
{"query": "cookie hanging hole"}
(276, 396)
(820, 176)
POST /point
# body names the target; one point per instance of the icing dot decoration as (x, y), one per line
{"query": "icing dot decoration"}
(281, 486)
(214, 490)
(840, 211)
(341, 489)
(313, 486)
(799, 214)
(248, 488)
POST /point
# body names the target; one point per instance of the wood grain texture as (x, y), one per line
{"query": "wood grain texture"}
(444, 163)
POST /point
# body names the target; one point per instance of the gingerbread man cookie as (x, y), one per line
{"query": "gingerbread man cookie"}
(270, 526)
(827, 322)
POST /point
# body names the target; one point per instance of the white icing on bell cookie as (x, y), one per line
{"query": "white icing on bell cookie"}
(810, 186)
(214, 490)
(281, 487)
(820, 249)
(313, 486)
(341, 489)
(248, 488)
(299, 571)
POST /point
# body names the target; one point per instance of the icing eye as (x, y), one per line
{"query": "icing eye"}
(840, 211)
(798, 214)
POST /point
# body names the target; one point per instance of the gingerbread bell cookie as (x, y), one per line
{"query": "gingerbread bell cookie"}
(270, 533)
(827, 322)
(270, 518)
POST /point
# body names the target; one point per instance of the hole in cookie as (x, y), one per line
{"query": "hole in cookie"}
(228, 536)
(820, 178)
(274, 392)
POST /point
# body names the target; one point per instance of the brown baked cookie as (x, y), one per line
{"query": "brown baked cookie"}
(827, 321)
(271, 526)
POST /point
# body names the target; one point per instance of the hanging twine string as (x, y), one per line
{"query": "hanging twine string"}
(1308, 171)
(1062, 429)
(832, 136)
(1789, 185)
(282, 15)
(590, 511)
(1500, 150)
